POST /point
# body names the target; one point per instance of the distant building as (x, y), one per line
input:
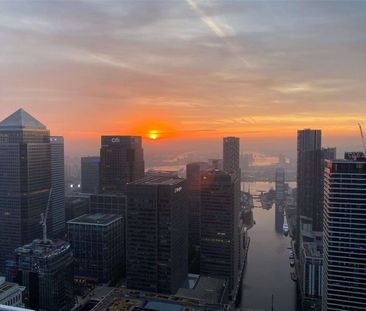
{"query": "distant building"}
(56, 223)
(46, 271)
(231, 155)
(216, 164)
(344, 234)
(77, 205)
(329, 154)
(25, 180)
(219, 227)
(90, 174)
(194, 171)
(309, 177)
(11, 294)
(157, 234)
(97, 242)
(121, 162)
(108, 204)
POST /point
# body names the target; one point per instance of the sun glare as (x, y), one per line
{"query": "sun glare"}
(153, 135)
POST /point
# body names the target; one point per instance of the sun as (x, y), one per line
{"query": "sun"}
(154, 135)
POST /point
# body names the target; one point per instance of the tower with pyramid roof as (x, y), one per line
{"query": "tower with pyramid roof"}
(25, 180)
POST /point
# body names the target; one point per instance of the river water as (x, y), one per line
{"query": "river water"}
(268, 270)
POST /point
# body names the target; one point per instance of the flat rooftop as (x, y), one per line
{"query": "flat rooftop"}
(158, 180)
(95, 219)
(43, 249)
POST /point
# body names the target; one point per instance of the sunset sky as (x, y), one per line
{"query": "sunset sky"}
(187, 69)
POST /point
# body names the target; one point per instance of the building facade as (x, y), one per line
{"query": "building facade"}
(11, 294)
(25, 180)
(219, 227)
(90, 174)
(108, 204)
(231, 155)
(45, 269)
(157, 234)
(344, 286)
(121, 162)
(56, 222)
(97, 242)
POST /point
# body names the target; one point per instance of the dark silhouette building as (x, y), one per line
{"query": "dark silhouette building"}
(121, 162)
(231, 155)
(157, 234)
(25, 180)
(90, 174)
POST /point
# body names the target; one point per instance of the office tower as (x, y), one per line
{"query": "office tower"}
(108, 204)
(280, 186)
(90, 174)
(11, 294)
(97, 242)
(344, 286)
(157, 234)
(121, 162)
(56, 222)
(309, 177)
(194, 171)
(45, 269)
(215, 164)
(329, 153)
(219, 227)
(231, 155)
(25, 180)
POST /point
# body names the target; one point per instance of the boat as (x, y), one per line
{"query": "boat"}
(285, 229)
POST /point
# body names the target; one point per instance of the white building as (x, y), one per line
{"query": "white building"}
(10, 294)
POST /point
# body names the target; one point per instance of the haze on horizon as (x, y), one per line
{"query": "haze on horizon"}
(193, 70)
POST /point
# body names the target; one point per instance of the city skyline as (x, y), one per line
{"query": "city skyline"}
(187, 69)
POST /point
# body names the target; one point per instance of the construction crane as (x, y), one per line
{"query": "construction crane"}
(362, 138)
(43, 221)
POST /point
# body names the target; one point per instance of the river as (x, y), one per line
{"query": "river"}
(268, 270)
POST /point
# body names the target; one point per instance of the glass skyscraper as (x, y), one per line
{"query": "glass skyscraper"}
(25, 180)
(344, 286)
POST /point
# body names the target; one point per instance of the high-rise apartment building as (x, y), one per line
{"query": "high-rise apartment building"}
(45, 268)
(97, 242)
(280, 186)
(90, 174)
(219, 227)
(194, 171)
(25, 180)
(56, 222)
(344, 243)
(309, 177)
(157, 234)
(121, 162)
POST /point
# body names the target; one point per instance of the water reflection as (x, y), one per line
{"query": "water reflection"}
(268, 269)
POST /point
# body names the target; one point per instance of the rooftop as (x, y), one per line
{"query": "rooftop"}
(39, 248)
(21, 119)
(95, 219)
(158, 180)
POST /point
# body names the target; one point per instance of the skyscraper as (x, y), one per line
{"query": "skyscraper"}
(309, 177)
(121, 162)
(25, 180)
(231, 155)
(45, 269)
(280, 186)
(56, 222)
(344, 243)
(157, 235)
(219, 227)
(90, 174)
(194, 171)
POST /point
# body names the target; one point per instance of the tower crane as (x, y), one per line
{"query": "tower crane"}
(362, 138)
(44, 215)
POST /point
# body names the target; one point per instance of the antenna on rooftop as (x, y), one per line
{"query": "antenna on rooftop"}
(362, 138)
(43, 221)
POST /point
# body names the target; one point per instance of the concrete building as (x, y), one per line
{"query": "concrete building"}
(121, 162)
(90, 174)
(25, 180)
(45, 269)
(56, 222)
(219, 227)
(344, 234)
(157, 234)
(11, 294)
(97, 242)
